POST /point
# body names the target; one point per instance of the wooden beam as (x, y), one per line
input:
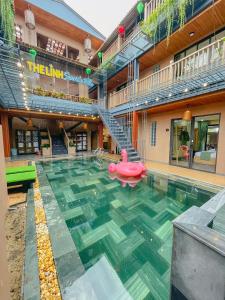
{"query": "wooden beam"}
(5, 134)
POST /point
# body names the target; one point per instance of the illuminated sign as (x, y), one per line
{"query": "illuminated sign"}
(50, 71)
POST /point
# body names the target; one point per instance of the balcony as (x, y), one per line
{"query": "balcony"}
(200, 72)
(121, 53)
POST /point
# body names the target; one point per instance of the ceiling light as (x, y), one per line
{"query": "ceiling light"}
(146, 102)
(85, 115)
(205, 84)
(23, 89)
(69, 113)
(60, 112)
(137, 104)
(50, 111)
(186, 90)
(21, 75)
(157, 99)
(23, 83)
(191, 33)
(27, 108)
(19, 65)
(40, 110)
(170, 95)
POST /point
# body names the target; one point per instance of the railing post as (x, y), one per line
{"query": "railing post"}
(171, 71)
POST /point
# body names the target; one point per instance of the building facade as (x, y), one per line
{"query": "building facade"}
(167, 89)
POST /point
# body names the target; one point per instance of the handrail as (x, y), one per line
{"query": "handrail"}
(50, 139)
(200, 61)
(114, 47)
(66, 139)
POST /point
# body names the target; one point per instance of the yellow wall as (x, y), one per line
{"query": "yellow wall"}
(160, 152)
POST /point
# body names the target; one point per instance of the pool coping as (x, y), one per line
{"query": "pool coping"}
(68, 264)
(67, 260)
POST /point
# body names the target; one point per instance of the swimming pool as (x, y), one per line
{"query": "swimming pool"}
(130, 228)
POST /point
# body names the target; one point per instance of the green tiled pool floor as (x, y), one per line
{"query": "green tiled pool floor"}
(131, 227)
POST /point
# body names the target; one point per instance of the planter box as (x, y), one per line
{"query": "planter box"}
(46, 151)
(71, 151)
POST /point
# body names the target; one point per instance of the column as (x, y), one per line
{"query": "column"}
(5, 133)
(4, 274)
(135, 130)
(100, 135)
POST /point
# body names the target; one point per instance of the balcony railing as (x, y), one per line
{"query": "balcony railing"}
(62, 96)
(119, 44)
(122, 96)
(151, 6)
(199, 62)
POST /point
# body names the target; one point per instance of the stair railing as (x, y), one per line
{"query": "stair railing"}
(50, 140)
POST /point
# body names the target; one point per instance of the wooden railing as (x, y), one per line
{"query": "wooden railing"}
(151, 6)
(202, 60)
(112, 50)
(122, 96)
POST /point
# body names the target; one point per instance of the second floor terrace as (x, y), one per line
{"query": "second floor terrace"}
(200, 72)
(139, 38)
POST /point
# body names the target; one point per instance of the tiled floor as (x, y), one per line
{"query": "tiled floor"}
(205, 177)
(131, 227)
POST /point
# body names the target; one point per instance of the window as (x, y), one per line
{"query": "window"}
(73, 53)
(153, 133)
(18, 33)
(51, 45)
(155, 68)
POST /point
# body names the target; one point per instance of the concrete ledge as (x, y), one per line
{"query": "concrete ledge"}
(198, 259)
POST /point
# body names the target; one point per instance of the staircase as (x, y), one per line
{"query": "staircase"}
(118, 134)
(58, 146)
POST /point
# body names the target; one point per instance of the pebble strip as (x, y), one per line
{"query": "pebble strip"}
(47, 272)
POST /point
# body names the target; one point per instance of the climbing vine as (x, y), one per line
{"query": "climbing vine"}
(7, 19)
(166, 10)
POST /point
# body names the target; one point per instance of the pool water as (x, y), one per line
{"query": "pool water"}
(131, 227)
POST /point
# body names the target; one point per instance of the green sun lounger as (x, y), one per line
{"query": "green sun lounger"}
(22, 169)
(21, 176)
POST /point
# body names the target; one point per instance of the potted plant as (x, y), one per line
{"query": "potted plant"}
(46, 150)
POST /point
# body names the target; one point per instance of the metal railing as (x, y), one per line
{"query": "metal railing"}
(198, 62)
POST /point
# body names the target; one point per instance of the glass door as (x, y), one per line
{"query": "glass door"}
(180, 143)
(205, 142)
(194, 143)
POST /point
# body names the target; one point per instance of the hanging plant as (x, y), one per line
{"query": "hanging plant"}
(7, 19)
(166, 10)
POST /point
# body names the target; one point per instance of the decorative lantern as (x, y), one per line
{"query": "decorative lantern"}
(140, 7)
(85, 126)
(88, 71)
(61, 125)
(100, 54)
(29, 19)
(87, 45)
(33, 52)
(121, 30)
(29, 123)
(187, 115)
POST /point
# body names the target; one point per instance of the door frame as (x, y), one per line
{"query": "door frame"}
(190, 161)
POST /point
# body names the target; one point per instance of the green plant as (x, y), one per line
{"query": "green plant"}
(166, 10)
(71, 144)
(7, 19)
(45, 146)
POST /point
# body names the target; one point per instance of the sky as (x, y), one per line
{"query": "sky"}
(104, 15)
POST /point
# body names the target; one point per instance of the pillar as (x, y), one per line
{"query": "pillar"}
(100, 135)
(135, 130)
(5, 133)
(4, 274)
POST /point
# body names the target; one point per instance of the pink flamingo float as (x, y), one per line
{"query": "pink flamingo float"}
(127, 172)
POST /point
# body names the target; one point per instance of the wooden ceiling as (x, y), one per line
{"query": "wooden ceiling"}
(215, 97)
(204, 24)
(52, 22)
